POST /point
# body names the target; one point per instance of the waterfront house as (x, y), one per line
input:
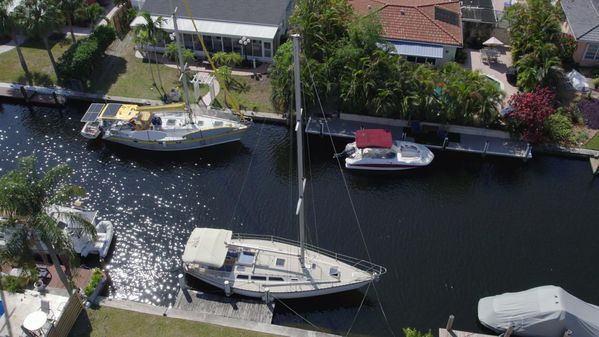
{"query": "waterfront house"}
(223, 23)
(582, 22)
(424, 31)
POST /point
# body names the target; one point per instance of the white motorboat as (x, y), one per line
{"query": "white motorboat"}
(273, 268)
(174, 127)
(375, 150)
(547, 311)
(69, 220)
(83, 243)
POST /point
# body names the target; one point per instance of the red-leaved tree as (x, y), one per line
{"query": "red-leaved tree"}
(530, 111)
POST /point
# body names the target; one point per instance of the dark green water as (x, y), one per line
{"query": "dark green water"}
(463, 228)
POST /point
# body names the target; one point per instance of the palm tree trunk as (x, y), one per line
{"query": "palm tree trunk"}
(22, 60)
(150, 64)
(70, 22)
(158, 71)
(63, 277)
(45, 38)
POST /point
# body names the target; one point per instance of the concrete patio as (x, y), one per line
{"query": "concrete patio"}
(494, 70)
(19, 305)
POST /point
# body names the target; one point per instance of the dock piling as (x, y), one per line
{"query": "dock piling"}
(594, 164)
(182, 284)
(25, 94)
(486, 148)
(227, 288)
(568, 333)
(450, 320)
(509, 331)
(445, 142)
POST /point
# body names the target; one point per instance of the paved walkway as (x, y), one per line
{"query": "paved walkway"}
(10, 45)
(494, 70)
(210, 319)
(18, 306)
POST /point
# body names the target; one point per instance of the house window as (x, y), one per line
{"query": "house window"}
(218, 44)
(592, 52)
(188, 41)
(420, 59)
(256, 48)
(227, 44)
(267, 49)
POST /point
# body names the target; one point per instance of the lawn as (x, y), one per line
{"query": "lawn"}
(119, 73)
(593, 143)
(257, 97)
(106, 322)
(37, 59)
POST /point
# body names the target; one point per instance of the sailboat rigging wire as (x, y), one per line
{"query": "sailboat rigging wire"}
(351, 201)
(247, 173)
(359, 308)
(218, 77)
(297, 314)
(383, 311)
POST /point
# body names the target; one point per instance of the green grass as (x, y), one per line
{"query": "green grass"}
(105, 322)
(119, 73)
(256, 98)
(593, 143)
(37, 61)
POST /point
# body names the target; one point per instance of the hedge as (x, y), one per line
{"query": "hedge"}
(79, 60)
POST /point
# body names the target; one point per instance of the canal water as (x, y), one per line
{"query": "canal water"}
(464, 228)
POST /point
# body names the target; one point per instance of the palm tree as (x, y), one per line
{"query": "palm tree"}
(68, 8)
(11, 25)
(91, 13)
(150, 33)
(24, 201)
(40, 18)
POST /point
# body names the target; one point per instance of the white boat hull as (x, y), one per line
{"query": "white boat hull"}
(401, 156)
(178, 145)
(219, 283)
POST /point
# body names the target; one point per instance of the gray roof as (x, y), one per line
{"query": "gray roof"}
(264, 12)
(583, 18)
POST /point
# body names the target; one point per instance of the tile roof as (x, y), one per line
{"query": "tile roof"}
(583, 18)
(414, 20)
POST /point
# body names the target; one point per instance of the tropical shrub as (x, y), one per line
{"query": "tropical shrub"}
(558, 128)
(226, 59)
(536, 42)
(355, 71)
(411, 332)
(530, 111)
(79, 60)
(95, 279)
(172, 54)
(13, 284)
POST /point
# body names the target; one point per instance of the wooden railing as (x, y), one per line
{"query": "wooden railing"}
(68, 317)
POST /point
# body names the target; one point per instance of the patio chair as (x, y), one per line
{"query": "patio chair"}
(45, 307)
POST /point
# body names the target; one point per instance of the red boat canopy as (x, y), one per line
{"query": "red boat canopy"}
(373, 138)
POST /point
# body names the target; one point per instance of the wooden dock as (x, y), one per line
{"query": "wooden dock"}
(435, 136)
(231, 307)
(456, 333)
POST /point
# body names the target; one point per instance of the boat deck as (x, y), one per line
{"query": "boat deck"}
(231, 307)
(456, 333)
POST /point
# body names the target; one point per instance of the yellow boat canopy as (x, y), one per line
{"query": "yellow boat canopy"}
(120, 112)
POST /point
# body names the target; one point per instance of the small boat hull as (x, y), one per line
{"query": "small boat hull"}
(400, 156)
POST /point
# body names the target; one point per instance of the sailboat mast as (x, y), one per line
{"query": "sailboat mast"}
(182, 65)
(301, 181)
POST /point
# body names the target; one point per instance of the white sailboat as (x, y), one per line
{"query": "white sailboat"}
(269, 267)
(173, 127)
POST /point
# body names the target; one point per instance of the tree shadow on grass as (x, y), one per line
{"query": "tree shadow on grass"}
(107, 73)
(83, 326)
(38, 78)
